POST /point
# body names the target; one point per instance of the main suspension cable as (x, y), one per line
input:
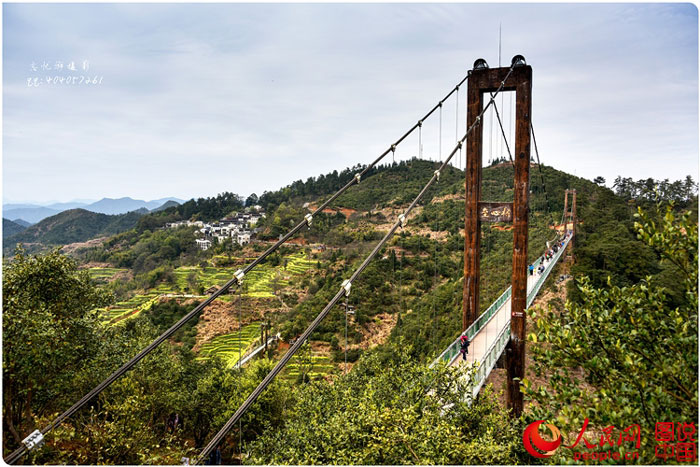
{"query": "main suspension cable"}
(344, 291)
(35, 439)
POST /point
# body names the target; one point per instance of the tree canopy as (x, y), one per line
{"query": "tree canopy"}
(637, 349)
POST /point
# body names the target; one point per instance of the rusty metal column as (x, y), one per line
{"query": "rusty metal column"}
(472, 224)
(515, 356)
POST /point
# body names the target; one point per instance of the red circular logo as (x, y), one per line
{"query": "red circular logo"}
(531, 436)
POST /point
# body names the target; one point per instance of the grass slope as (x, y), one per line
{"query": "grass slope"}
(314, 365)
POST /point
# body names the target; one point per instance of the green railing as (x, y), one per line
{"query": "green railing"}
(452, 350)
(543, 277)
(489, 359)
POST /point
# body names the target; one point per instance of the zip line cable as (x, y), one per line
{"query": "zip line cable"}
(35, 439)
(344, 291)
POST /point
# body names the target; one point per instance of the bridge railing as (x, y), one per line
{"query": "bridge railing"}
(543, 277)
(488, 361)
(451, 352)
(453, 349)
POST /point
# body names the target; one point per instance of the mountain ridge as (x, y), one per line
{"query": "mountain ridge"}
(74, 225)
(10, 228)
(34, 213)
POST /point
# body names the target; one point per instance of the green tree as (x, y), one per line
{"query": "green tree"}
(50, 331)
(638, 354)
(396, 413)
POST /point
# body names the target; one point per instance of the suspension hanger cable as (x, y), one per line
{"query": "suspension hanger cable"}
(457, 115)
(505, 139)
(510, 114)
(344, 291)
(420, 141)
(401, 299)
(440, 136)
(435, 281)
(491, 135)
(235, 281)
(539, 166)
(240, 327)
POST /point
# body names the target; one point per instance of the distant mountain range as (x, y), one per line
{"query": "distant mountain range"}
(33, 213)
(22, 223)
(73, 225)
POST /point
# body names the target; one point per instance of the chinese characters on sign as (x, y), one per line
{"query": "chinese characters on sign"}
(61, 73)
(677, 441)
(495, 212)
(631, 434)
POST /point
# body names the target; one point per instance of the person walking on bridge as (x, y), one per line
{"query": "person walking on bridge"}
(464, 341)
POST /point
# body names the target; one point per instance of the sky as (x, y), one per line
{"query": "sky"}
(192, 100)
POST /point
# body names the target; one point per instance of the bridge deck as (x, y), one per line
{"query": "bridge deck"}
(483, 340)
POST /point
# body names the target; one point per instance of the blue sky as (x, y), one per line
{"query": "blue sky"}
(197, 99)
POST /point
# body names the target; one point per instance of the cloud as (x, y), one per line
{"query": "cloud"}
(202, 98)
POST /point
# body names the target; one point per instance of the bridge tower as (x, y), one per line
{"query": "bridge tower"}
(483, 81)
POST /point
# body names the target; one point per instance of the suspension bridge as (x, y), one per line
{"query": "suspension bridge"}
(500, 329)
(490, 333)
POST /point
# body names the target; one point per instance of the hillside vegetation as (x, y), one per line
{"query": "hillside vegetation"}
(389, 408)
(10, 228)
(75, 225)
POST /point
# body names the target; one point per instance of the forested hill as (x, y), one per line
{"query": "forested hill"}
(400, 182)
(75, 225)
(382, 187)
(10, 228)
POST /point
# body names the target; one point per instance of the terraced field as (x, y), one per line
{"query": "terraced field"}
(104, 274)
(259, 283)
(230, 346)
(138, 303)
(316, 366)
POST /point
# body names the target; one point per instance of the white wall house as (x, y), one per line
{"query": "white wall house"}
(243, 238)
(203, 243)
